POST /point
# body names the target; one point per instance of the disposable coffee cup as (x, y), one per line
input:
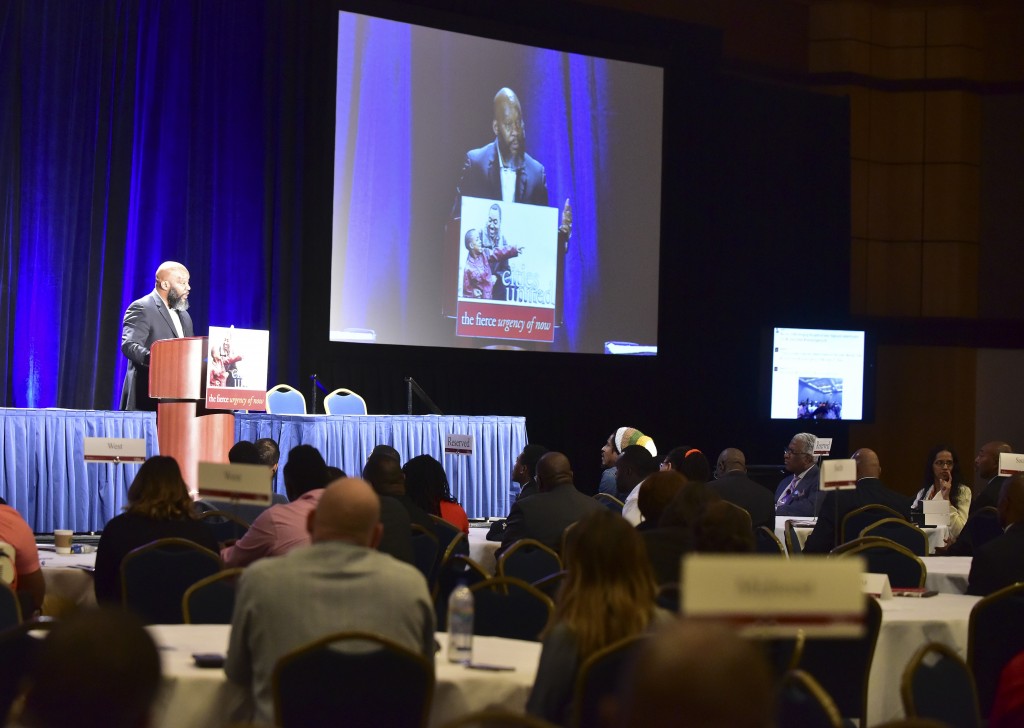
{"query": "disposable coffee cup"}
(62, 541)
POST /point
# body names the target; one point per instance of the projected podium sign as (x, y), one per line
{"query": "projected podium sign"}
(508, 268)
(237, 369)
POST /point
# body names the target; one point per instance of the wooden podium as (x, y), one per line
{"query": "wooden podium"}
(177, 376)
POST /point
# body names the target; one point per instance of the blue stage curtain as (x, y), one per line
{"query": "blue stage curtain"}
(480, 482)
(45, 476)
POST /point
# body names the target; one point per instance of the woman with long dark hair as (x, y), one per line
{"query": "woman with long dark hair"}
(942, 480)
(607, 595)
(158, 507)
(427, 484)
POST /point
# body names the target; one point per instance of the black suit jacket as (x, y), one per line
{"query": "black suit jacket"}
(807, 501)
(999, 563)
(869, 491)
(531, 488)
(481, 177)
(989, 496)
(754, 498)
(545, 516)
(146, 321)
(397, 537)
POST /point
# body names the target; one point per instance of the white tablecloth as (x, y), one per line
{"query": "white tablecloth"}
(936, 534)
(68, 578)
(481, 550)
(204, 698)
(947, 574)
(908, 623)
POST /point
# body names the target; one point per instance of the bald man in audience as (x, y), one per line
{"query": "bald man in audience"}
(990, 482)
(339, 583)
(1000, 562)
(697, 675)
(545, 516)
(870, 491)
(733, 485)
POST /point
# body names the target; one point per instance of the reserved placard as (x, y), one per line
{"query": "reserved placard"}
(235, 482)
(1011, 463)
(822, 446)
(770, 597)
(459, 444)
(877, 585)
(838, 475)
(114, 449)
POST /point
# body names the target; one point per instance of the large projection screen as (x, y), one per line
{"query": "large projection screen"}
(441, 239)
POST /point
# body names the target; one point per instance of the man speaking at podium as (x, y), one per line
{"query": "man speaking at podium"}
(162, 314)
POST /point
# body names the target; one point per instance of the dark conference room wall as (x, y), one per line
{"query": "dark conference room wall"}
(136, 132)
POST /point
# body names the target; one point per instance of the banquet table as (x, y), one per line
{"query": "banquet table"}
(194, 697)
(804, 526)
(481, 550)
(68, 578)
(908, 623)
(947, 574)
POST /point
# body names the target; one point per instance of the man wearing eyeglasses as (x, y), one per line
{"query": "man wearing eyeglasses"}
(797, 494)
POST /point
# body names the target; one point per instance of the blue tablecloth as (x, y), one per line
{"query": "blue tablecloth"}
(44, 474)
(480, 481)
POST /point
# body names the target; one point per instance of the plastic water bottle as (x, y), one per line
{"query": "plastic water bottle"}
(460, 625)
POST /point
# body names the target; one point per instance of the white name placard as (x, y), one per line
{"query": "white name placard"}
(1011, 463)
(237, 483)
(877, 585)
(822, 446)
(459, 444)
(936, 512)
(770, 597)
(838, 475)
(114, 449)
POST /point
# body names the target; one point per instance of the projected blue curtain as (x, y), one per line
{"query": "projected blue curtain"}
(131, 132)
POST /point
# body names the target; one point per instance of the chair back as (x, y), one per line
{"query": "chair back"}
(610, 501)
(805, 703)
(7, 568)
(903, 532)
(498, 718)
(995, 634)
(766, 542)
(377, 683)
(599, 678)
(18, 652)
(211, 600)
(529, 560)
(860, 518)
(882, 556)
(509, 607)
(447, 533)
(154, 577)
(285, 400)
(454, 569)
(793, 546)
(425, 552)
(344, 402)
(224, 526)
(10, 607)
(551, 584)
(982, 526)
(938, 684)
(841, 666)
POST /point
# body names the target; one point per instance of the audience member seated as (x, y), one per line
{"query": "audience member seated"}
(99, 668)
(545, 516)
(1000, 562)
(634, 464)
(870, 491)
(427, 485)
(690, 462)
(1008, 708)
(617, 442)
(734, 486)
(384, 473)
(158, 507)
(605, 564)
(246, 453)
(723, 528)
(522, 473)
(281, 528)
(28, 576)
(797, 495)
(986, 466)
(696, 675)
(340, 583)
(674, 535)
(656, 492)
(942, 480)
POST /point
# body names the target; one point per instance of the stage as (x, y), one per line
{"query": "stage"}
(44, 476)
